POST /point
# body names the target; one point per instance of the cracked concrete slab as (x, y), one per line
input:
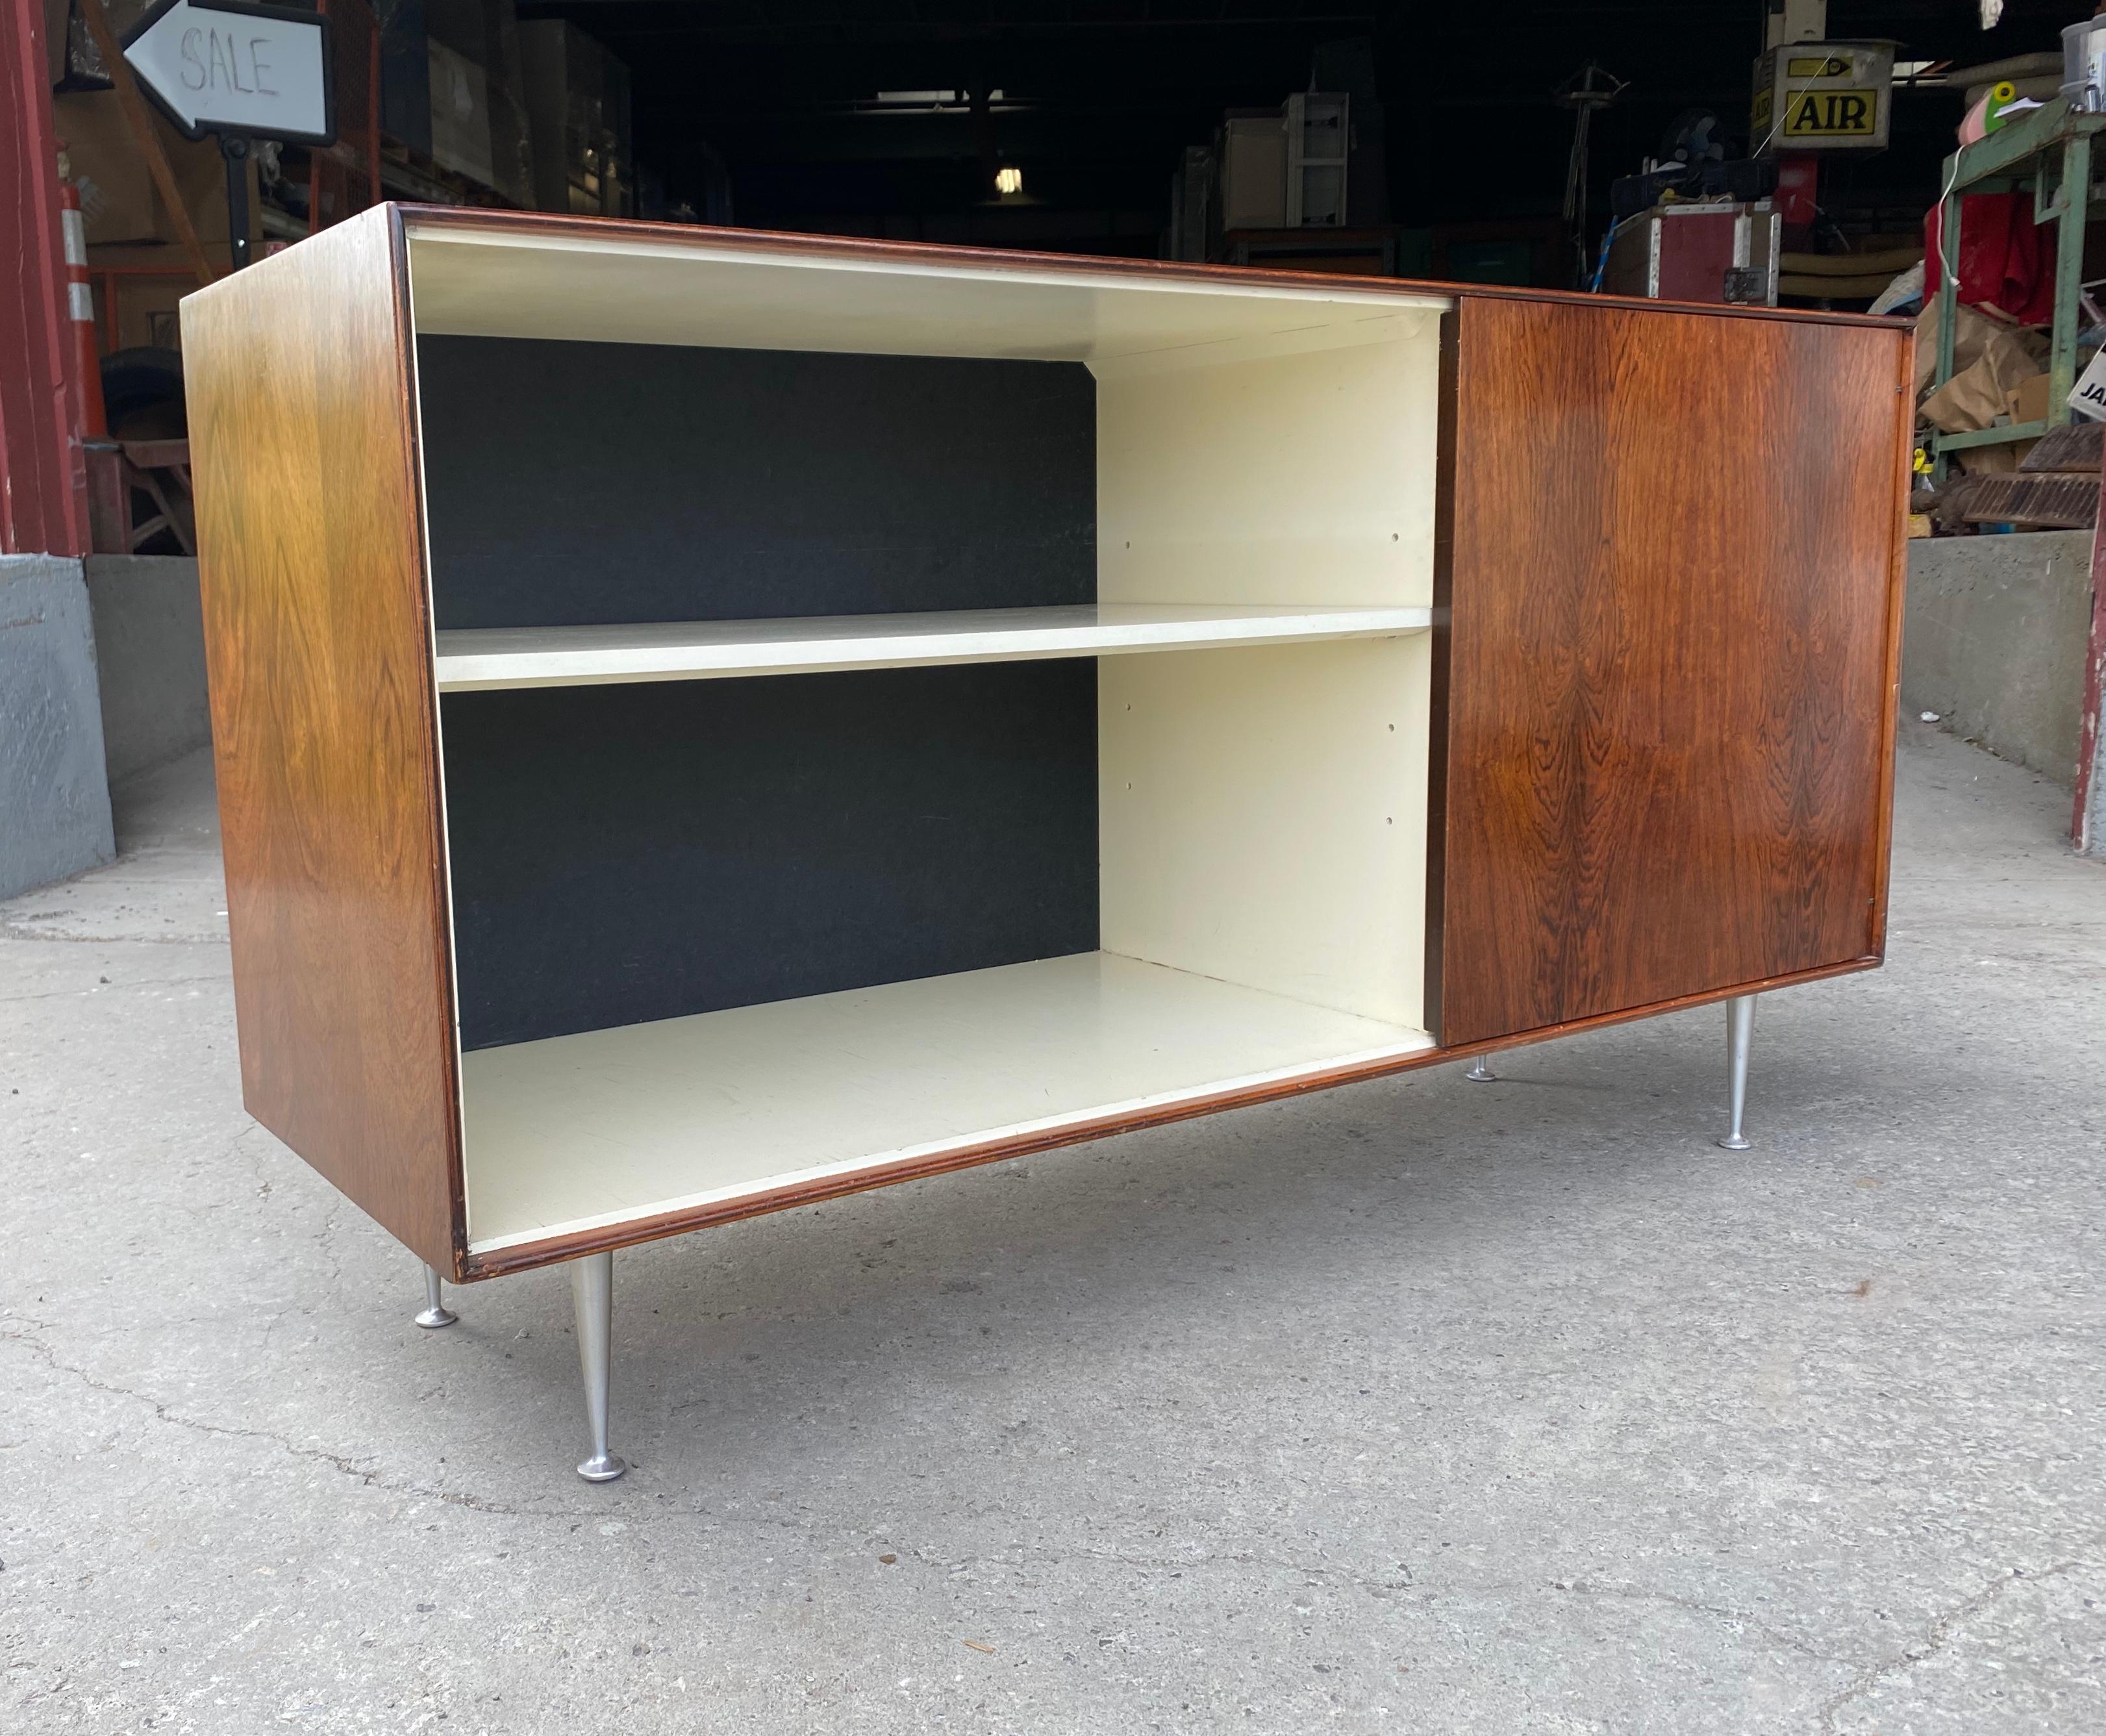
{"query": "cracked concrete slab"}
(1418, 1405)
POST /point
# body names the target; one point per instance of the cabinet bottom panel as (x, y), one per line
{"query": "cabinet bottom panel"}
(572, 1133)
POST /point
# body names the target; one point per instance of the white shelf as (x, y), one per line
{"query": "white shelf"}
(648, 285)
(477, 660)
(572, 1132)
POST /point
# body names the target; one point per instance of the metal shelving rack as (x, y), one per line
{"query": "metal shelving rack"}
(2050, 149)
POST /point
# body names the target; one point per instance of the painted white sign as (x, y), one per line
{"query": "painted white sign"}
(219, 66)
(2087, 397)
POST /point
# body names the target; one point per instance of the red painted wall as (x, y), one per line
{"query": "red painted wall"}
(43, 500)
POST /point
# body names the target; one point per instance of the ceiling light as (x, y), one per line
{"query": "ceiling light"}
(933, 99)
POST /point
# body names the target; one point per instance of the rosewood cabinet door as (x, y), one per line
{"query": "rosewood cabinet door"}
(1672, 561)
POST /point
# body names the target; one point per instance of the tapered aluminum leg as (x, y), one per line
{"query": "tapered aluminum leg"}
(591, 1287)
(1481, 1071)
(436, 1312)
(1740, 1034)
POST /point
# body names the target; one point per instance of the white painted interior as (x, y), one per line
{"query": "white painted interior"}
(511, 283)
(697, 650)
(1276, 472)
(1266, 498)
(572, 1132)
(1263, 813)
(1262, 818)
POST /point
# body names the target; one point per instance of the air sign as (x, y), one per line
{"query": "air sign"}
(1822, 97)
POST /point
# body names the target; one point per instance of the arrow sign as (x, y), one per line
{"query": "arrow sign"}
(224, 66)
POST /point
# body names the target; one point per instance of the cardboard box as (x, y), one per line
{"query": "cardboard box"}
(147, 311)
(1980, 393)
(119, 201)
(478, 115)
(2028, 400)
(477, 131)
(1253, 154)
(460, 114)
(578, 119)
(1993, 460)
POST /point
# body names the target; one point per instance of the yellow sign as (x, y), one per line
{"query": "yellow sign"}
(1817, 97)
(1832, 114)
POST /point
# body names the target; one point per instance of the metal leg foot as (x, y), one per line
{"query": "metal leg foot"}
(436, 1312)
(1740, 1034)
(1480, 1071)
(591, 1287)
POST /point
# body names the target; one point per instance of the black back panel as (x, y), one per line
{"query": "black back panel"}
(627, 853)
(576, 483)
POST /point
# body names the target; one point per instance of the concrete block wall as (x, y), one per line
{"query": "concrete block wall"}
(54, 789)
(1994, 642)
(149, 647)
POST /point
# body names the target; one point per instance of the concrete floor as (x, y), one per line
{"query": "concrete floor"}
(1419, 1406)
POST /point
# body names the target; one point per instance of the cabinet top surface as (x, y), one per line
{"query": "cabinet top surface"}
(656, 284)
(608, 235)
(529, 275)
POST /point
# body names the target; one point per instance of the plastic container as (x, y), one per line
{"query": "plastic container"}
(2084, 66)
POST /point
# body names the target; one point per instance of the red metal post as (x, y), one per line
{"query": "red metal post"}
(43, 483)
(80, 309)
(2088, 820)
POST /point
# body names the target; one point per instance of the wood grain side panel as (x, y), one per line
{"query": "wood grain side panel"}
(1673, 582)
(317, 650)
(1896, 607)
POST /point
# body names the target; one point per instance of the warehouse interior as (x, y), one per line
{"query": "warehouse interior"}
(1465, 140)
(1617, 148)
(898, 120)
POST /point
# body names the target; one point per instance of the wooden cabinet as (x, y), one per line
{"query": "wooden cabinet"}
(707, 721)
(1675, 605)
